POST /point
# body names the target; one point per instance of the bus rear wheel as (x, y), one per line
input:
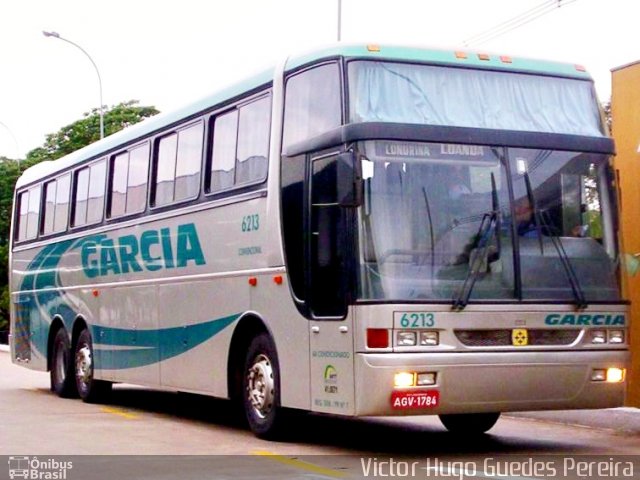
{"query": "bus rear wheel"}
(261, 388)
(89, 389)
(469, 423)
(61, 374)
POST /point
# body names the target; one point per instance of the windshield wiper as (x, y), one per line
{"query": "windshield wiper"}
(541, 220)
(490, 223)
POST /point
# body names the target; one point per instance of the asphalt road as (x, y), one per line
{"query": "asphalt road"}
(138, 422)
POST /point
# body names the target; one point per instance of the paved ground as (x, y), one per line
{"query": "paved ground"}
(625, 420)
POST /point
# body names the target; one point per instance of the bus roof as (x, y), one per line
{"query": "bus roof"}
(373, 52)
(444, 57)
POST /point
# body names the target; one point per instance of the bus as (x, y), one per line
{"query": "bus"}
(363, 230)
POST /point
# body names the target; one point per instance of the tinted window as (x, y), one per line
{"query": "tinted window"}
(129, 181)
(188, 162)
(312, 103)
(137, 179)
(120, 169)
(80, 198)
(56, 205)
(178, 165)
(89, 194)
(240, 146)
(29, 209)
(95, 200)
(223, 160)
(166, 170)
(253, 141)
(49, 206)
(23, 202)
(62, 203)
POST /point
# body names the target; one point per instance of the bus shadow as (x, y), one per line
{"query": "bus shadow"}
(359, 435)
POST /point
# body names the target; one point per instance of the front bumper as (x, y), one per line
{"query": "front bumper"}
(492, 381)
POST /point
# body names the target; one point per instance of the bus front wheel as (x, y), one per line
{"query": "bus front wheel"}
(89, 389)
(261, 388)
(61, 373)
(469, 423)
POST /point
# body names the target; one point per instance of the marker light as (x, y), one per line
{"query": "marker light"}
(406, 339)
(373, 48)
(506, 59)
(426, 378)
(616, 336)
(461, 55)
(484, 56)
(598, 336)
(429, 338)
(377, 338)
(403, 379)
(615, 375)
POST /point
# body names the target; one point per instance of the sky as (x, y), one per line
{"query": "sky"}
(167, 54)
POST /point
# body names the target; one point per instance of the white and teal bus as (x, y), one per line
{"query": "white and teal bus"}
(361, 231)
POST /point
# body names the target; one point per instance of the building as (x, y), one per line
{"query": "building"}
(625, 111)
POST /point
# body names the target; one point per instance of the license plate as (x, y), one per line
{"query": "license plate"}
(408, 400)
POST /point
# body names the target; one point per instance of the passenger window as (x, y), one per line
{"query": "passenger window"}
(240, 146)
(312, 103)
(89, 194)
(128, 192)
(253, 141)
(56, 205)
(178, 165)
(29, 209)
(62, 203)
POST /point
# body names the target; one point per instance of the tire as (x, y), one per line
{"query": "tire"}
(470, 423)
(89, 389)
(61, 374)
(261, 389)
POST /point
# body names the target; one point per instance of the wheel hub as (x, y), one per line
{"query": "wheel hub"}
(83, 365)
(261, 386)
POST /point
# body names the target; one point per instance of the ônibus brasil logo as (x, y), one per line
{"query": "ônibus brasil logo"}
(36, 469)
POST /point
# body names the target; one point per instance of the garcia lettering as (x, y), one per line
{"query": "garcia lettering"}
(153, 250)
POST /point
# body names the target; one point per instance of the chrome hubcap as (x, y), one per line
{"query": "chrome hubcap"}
(261, 386)
(83, 366)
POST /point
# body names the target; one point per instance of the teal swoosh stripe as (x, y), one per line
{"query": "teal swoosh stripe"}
(151, 346)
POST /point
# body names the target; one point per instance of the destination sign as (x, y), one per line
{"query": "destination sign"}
(433, 151)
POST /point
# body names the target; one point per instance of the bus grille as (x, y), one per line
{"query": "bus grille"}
(502, 337)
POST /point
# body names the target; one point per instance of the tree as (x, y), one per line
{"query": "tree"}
(87, 130)
(68, 139)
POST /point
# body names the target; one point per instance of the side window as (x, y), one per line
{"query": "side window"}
(128, 188)
(23, 202)
(240, 146)
(56, 205)
(49, 206)
(312, 103)
(28, 213)
(88, 199)
(223, 160)
(178, 165)
(253, 141)
(62, 203)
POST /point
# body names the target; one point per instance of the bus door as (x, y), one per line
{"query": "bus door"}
(329, 220)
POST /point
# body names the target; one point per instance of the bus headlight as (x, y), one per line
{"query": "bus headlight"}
(429, 338)
(406, 339)
(615, 375)
(404, 379)
(598, 337)
(616, 336)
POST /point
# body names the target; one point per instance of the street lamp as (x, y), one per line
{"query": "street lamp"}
(57, 35)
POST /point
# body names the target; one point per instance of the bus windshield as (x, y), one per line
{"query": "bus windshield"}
(462, 97)
(435, 214)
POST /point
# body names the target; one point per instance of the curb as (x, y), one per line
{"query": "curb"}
(4, 348)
